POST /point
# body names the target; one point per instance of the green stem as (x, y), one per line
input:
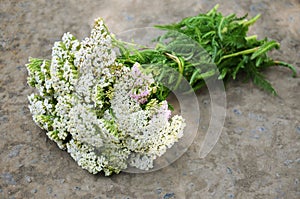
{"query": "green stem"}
(213, 10)
(281, 63)
(248, 51)
(180, 68)
(251, 21)
(219, 29)
(251, 37)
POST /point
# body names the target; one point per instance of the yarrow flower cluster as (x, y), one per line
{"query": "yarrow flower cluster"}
(98, 110)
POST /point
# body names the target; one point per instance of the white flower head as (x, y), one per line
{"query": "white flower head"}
(103, 113)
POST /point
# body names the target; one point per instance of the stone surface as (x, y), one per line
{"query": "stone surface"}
(257, 155)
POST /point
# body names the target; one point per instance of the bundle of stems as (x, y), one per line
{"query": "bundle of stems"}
(203, 46)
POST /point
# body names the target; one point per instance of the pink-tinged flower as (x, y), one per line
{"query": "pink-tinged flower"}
(135, 71)
(140, 91)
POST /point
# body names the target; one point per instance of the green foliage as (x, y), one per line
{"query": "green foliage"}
(224, 42)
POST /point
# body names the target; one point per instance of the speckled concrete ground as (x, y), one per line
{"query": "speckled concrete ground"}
(257, 156)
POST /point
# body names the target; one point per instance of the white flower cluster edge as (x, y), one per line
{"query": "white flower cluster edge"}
(98, 110)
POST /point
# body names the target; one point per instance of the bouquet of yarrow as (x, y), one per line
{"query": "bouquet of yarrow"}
(102, 112)
(108, 113)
